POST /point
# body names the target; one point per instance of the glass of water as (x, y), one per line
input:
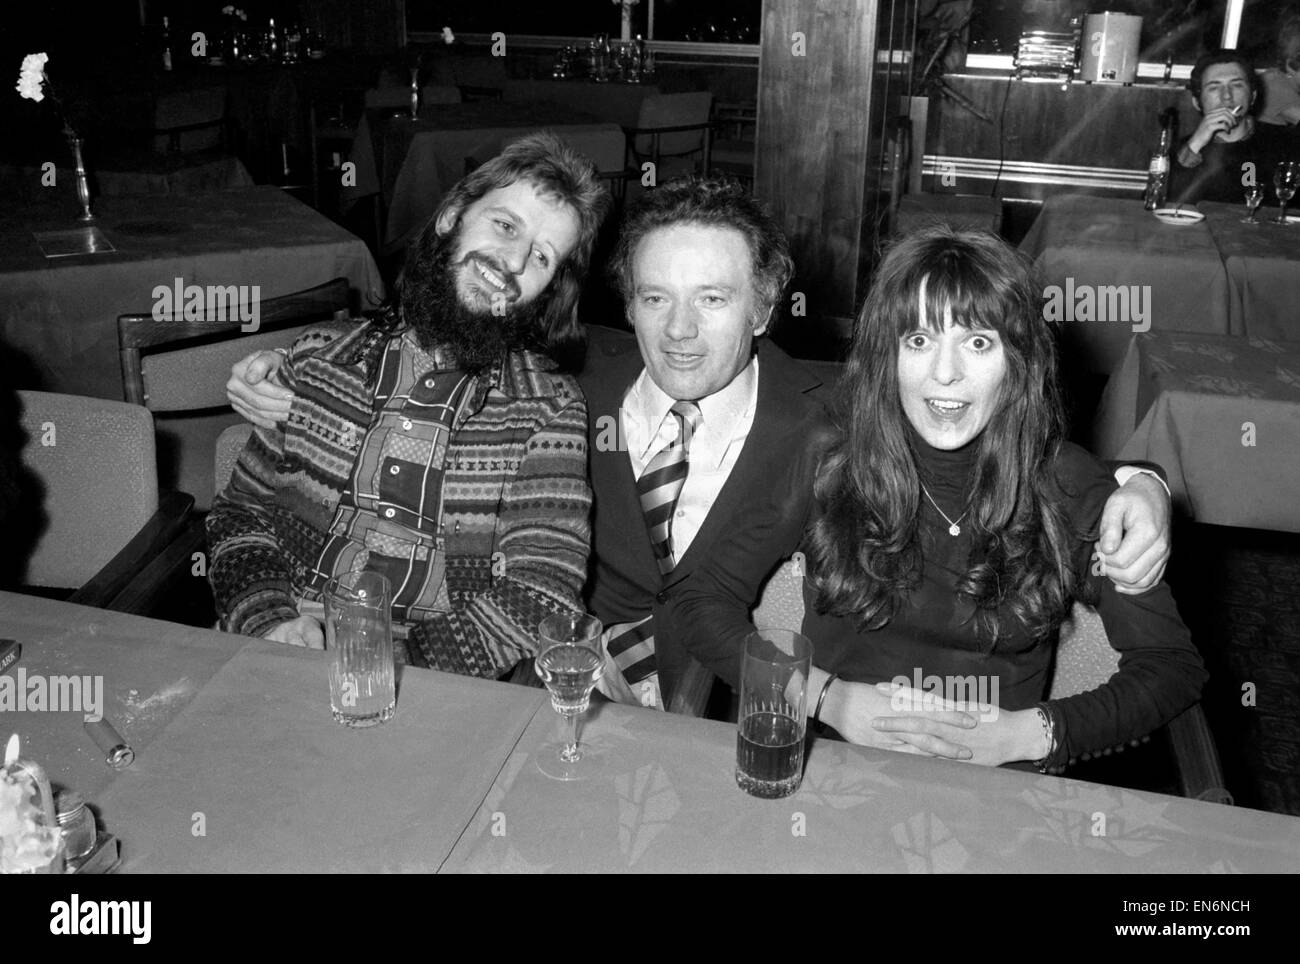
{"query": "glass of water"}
(1285, 179)
(1254, 198)
(359, 639)
(570, 659)
(773, 707)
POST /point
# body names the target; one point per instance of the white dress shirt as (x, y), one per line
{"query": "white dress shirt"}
(726, 418)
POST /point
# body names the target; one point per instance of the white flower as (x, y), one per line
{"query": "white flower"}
(241, 15)
(228, 9)
(447, 36)
(31, 77)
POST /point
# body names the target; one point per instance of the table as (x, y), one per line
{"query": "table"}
(243, 736)
(1263, 266)
(1216, 277)
(1081, 241)
(613, 101)
(240, 731)
(413, 163)
(1190, 403)
(62, 313)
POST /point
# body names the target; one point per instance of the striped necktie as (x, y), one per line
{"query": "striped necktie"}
(661, 483)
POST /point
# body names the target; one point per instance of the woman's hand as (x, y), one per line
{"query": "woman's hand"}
(253, 392)
(997, 736)
(933, 727)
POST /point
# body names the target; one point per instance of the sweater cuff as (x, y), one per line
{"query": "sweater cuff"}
(260, 612)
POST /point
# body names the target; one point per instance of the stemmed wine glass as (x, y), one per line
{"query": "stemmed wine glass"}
(1285, 178)
(1254, 198)
(569, 661)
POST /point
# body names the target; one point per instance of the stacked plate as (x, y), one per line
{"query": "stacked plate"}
(1046, 53)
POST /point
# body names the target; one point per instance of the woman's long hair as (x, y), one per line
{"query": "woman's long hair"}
(864, 549)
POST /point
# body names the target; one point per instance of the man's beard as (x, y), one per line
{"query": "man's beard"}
(432, 305)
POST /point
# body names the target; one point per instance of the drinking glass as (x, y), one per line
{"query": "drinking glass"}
(773, 704)
(1285, 178)
(359, 637)
(569, 661)
(1254, 198)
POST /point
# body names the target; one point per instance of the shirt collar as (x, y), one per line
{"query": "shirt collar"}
(721, 412)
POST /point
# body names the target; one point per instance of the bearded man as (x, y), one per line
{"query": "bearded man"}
(440, 443)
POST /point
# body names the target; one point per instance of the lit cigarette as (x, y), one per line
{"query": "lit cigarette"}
(117, 753)
(1236, 111)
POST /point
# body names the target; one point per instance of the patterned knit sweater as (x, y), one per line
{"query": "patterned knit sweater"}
(515, 491)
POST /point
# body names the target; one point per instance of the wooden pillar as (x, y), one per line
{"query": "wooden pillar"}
(814, 158)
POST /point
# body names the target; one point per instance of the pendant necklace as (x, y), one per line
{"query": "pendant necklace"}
(953, 528)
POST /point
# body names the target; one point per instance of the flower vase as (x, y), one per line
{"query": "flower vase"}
(83, 185)
(415, 93)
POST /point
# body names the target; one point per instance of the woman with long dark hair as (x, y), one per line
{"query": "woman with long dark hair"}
(951, 532)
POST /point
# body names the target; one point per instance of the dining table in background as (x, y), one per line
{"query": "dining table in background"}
(58, 316)
(1262, 261)
(1221, 415)
(1081, 242)
(1215, 277)
(412, 164)
(240, 767)
(613, 101)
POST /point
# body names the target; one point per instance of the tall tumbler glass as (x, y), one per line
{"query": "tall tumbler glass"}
(359, 638)
(773, 705)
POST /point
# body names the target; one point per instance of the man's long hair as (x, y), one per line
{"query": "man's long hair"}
(864, 550)
(558, 172)
(715, 201)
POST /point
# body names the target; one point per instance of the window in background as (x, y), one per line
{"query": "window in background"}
(1259, 27)
(566, 18)
(709, 21)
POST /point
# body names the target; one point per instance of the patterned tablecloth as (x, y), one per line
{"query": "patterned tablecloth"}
(1221, 415)
(662, 798)
(240, 732)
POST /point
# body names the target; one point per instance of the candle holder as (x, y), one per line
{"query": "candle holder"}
(83, 184)
(30, 840)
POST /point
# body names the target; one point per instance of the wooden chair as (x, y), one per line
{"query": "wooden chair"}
(178, 369)
(95, 460)
(178, 365)
(734, 146)
(1085, 660)
(671, 130)
(191, 120)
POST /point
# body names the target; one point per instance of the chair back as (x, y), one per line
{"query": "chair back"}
(95, 459)
(189, 120)
(178, 365)
(780, 604)
(1084, 656)
(397, 96)
(673, 110)
(230, 443)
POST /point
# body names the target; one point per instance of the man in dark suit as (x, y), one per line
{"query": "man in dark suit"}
(692, 416)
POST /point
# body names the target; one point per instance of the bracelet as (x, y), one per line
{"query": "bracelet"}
(818, 725)
(1049, 730)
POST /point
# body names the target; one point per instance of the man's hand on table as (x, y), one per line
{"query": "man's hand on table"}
(304, 631)
(253, 391)
(1134, 544)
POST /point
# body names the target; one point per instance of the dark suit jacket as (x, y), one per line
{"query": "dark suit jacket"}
(625, 583)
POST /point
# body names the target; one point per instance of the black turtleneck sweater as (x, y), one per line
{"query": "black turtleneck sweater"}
(1160, 672)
